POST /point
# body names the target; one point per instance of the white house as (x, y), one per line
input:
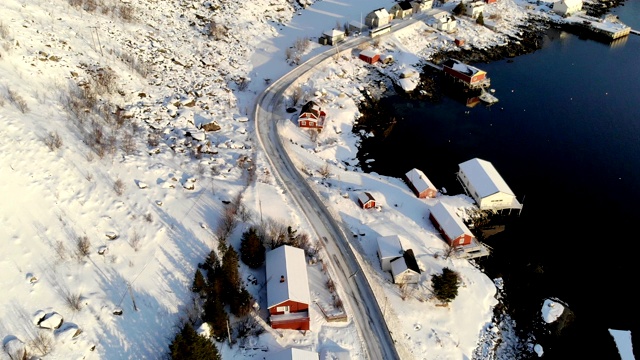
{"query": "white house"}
(405, 270)
(389, 249)
(483, 183)
(421, 5)
(473, 8)
(441, 20)
(293, 354)
(401, 10)
(377, 18)
(567, 7)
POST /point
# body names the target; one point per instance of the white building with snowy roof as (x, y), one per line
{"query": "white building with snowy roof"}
(484, 184)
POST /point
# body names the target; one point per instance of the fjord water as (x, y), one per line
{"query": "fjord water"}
(565, 136)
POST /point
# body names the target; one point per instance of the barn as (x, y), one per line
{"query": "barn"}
(482, 182)
(469, 75)
(287, 288)
(369, 56)
(366, 200)
(450, 225)
(420, 184)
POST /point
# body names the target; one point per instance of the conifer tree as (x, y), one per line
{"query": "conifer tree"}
(252, 252)
(445, 285)
(480, 19)
(241, 305)
(188, 345)
(216, 317)
(230, 275)
(199, 283)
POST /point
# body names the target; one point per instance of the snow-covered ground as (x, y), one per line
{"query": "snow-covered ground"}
(112, 191)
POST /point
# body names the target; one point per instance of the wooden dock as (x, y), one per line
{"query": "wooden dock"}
(634, 32)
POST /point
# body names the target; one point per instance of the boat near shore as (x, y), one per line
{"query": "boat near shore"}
(487, 97)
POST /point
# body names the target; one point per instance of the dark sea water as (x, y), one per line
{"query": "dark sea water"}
(565, 136)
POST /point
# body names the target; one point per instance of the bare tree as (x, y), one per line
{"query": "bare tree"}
(83, 245)
(135, 240)
(297, 94)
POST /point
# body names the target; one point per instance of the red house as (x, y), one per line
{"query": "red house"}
(459, 42)
(366, 201)
(287, 288)
(420, 184)
(490, 1)
(450, 225)
(311, 116)
(469, 75)
(369, 56)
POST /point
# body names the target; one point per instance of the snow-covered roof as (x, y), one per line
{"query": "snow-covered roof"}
(461, 67)
(368, 53)
(404, 263)
(389, 246)
(333, 33)
(287, 261)
(419, 180)
(364, 197)
(450, 223)
(293, 354)
(484, 177)
(381, 13)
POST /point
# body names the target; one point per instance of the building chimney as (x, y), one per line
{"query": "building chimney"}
(282, 278)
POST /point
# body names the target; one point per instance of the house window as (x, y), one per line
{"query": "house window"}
(284, 309)
(461, 241)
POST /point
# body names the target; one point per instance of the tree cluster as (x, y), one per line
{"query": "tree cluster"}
(221, 286)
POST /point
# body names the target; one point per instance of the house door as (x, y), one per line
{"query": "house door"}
(286, 309)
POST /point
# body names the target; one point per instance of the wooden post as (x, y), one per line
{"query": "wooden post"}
(228, 333)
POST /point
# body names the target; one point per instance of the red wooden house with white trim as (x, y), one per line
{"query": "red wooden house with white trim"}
(287, 288)
(311, 116)
(450, 225)
(366, 200)
(420, 184)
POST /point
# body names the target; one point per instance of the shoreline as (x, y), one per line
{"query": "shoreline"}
(381, 120)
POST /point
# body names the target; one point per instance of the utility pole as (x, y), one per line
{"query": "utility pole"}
(98, 36)
(132, 299)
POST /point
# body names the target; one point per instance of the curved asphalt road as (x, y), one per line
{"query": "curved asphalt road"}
(368, 317)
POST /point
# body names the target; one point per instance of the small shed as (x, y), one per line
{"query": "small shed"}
(459, 42)
(420, 184)
(473, 9)
(405, 269)
(450, 225)
(366, 200)
(389, 249)
(369, 56)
